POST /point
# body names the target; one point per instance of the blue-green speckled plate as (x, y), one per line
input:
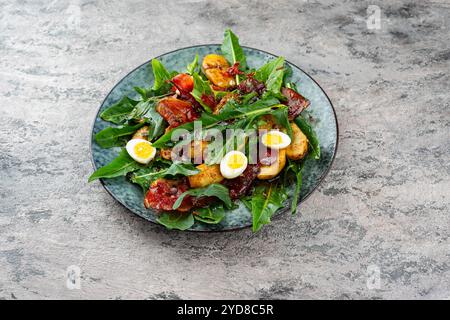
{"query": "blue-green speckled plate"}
(321, 110)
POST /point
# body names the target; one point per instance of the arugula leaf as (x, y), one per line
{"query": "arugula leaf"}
(162, 77)
(232, 51)
(233, 110)
(275, 79)
(213, 190)
(185, 169)
(248, 97)
(211, 215)
(291, 85)
(141, 109)
(144, 177)
(142, 92)
(282, 119)
(296, 169)
(230, 108)
(264, 202)
(201, 87)
(260, 107)
(147, 111)
(287, 74)
(118, 113)
(120, 166)
(178, 221)
(115, 136)
(263, 73)
(309, 132)
(149, 93)
(219, 94)
(191, 67)
(272, 74)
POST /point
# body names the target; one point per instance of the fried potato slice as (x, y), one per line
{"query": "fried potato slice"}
(142, 133)
(214, 61)
(176, 112)
(207, 175)
(215, 68)
(271, 171)
(299, 145)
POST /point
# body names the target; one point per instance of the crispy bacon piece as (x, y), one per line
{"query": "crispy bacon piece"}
(183, 82)
(296, 102)
(163, 193)
(251, 85)
(234, 70)
(176, 112)
(209, 101)
(216, 88)
(239, 186)
(186, 96)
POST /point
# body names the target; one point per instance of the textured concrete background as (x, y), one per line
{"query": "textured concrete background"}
(385, 203)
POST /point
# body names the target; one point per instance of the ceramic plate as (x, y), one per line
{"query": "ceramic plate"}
(321, 110)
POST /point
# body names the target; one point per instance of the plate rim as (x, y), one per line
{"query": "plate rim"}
(282, 211)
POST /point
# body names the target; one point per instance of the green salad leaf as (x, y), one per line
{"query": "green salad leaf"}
(192, 67)
(309, 132)
(142, 92)
(232, 51)
(210, 215)
(145, 176)
(141, 109)
(213, 190)
(162, 77)
(180, 221)
(115, 136)
(282, 118)
(147, 110)
(264, 72)
(185, 169)
(292, 85)
(118, 113)
(264, 202)
(272, 74)
(287, 75)
(120, 166)
(201, 88)
(275, 80)
(248, 97)
(296, 168)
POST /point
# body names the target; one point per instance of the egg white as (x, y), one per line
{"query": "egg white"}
(231, 173)
(130, 149)
(285, 140)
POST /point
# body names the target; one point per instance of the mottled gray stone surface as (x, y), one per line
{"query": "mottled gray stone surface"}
(384, 204)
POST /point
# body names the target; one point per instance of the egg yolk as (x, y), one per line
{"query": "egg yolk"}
(235, 161)
(273, 139)
(143, 150)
